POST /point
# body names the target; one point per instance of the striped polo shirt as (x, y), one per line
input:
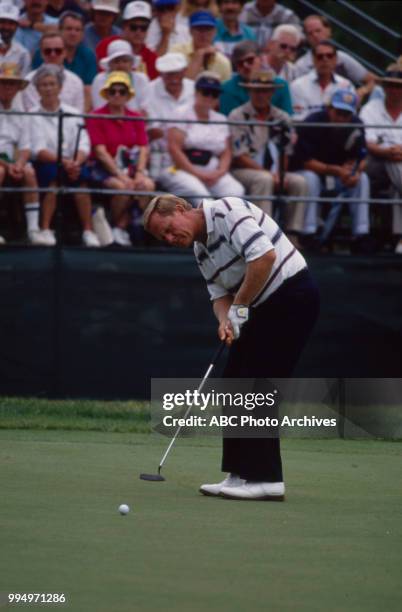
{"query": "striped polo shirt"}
(239, 232)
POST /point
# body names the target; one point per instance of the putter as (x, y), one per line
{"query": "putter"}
(158, 477)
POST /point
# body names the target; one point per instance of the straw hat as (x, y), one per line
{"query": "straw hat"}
(117, 77)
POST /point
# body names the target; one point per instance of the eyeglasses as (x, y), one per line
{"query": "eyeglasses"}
(321, 56)
(120, 91)
(52, 50)
(135, 27)
(286, 46)
(209, 93)
(247, 60)
(341, 112)
(166, 8)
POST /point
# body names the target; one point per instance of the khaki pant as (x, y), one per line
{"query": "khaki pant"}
(260, 183)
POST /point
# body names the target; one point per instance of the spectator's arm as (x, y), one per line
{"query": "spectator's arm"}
(87, 98)
(22, 157)
(245, 161)
(388, 153)
(155, 133)
(107, 161)
(142, 160)
(326, 169)
(199, 62)
(225, 158)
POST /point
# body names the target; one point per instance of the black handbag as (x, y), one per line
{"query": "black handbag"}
(198, 157)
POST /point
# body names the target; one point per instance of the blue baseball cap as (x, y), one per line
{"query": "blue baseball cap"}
(344, 99)
(208, 80)
(160, 3)
(202, 18)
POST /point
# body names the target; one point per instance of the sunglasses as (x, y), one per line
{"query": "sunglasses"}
(247, 60)
(134, 27)
(342, 112)
(121, 91)
(210, 93)
(285, 46)
(321, 56)
(52, 50)
(166, 8)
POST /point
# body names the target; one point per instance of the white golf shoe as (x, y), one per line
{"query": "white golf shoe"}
(264, 491)
(214, 490)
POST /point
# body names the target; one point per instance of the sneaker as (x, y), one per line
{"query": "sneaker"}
(398, 248)
(102, 227)
(264, 491)
(120, 236)
(44, 237)
(2, 240)
(214, 490)
(90, 239)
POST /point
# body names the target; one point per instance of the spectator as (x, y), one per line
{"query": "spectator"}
(120, 149)
(200, 52)
(229, 30)
(55, 8)
(317, 28)
(79, 59)
(167, 95)
(338, 167)
(104, 13)
(136, 21)
(10, 50)
(53, 51)
(313, 90)
(166, 29)
(120, 58)
(33, 23)
(264, 16)
(384, 144)
(256, 156)
(15, 149)
(246, 61)
(188, 7)
(48, 80)
(201, 153)
(280, 52)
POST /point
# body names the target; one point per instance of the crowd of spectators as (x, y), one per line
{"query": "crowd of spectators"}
(190, 87)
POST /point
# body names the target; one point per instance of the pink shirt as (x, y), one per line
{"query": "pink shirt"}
(115, 132)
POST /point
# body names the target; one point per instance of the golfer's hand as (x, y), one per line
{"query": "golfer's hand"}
(225, 332)
(237, 316)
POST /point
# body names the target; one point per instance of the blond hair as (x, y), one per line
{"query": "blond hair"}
(164, 205)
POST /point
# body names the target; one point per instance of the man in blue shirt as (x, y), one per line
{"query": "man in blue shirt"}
(229, 30)
(245, 61)
(33, 23)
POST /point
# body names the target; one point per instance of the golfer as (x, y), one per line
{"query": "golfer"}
(266, 304)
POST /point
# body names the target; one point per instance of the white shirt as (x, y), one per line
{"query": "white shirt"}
(240, 232)
(17, 54)
(161, 105)
(375, 112)
(44, 133)
(180, 34)
(209, 137)
(140, 83)
(346, 65)
(308, 96)
(14, 133)
(72, 91)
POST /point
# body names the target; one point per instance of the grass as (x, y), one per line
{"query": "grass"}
(333, 545)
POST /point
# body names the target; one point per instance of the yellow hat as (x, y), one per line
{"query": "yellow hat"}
(117, 76)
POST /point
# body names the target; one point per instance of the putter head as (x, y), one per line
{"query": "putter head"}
(152, 477)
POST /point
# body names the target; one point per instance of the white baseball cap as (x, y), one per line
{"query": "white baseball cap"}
(137, 9)
(171, 62)
(8, 10)
(112, 6)
(117, 48)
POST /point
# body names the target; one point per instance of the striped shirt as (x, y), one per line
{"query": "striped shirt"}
(237, 233)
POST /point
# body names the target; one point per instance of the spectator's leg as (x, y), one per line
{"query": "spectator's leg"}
(256, 183)
(183, 183)
(394, 171)
(148, 185)
(31, 200)
(227, 186)
(48, 208)
(119, 204)
(84, 208)
(360, 210)
(314, 190)
(296, 186)
(2, 177)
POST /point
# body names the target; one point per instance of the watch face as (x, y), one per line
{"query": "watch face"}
(242, 311)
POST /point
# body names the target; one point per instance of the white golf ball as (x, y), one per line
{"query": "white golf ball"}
(124, 509)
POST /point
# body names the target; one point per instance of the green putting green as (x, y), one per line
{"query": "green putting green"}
(335, 544)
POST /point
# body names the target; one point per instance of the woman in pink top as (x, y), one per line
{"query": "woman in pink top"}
(120, 151)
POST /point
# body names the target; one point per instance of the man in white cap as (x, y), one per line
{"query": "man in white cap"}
(10, 50)
(121, 58)
(136, 21)
(166, 95)
(103, 16)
